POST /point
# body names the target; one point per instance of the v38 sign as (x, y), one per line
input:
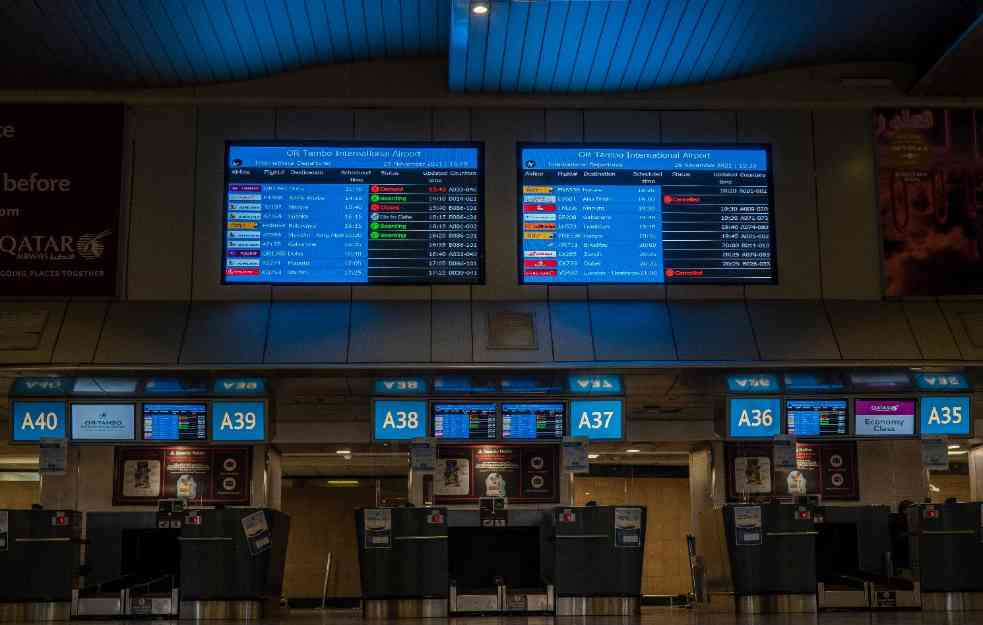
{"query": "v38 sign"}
(754, 418)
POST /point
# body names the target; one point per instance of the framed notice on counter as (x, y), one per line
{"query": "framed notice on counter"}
(821, 468)
(201, 475)
(521, 473)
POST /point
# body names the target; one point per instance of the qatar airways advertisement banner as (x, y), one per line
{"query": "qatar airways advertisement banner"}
(930, 196)
(60, 190)
(884, 417)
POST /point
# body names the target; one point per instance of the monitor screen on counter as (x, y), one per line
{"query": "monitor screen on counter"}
(646, 214)
(365, 213)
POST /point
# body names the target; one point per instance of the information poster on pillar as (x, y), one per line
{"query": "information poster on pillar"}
(202, 475)
(522, 474)
(930, 168)
(827, 469)
(60, 184)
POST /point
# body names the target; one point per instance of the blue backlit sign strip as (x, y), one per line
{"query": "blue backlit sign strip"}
(43, 387)
(753, 383)
(399, 419)
(597, 419)
(946, 415)
(238, 421)
(34, 420)
(757, 417)
(942, 382)
(240, 386)
(590, 384)
(401, 386)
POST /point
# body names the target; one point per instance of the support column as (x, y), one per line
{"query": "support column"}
(976, 474)
(707, 489)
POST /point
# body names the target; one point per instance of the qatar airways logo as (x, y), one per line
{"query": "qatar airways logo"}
(89, 246)
(890, 408)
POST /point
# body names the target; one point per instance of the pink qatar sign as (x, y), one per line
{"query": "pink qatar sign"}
(884, 417)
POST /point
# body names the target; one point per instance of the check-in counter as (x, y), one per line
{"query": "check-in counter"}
(39, 563)
(598, 553)
(403, 559)
(855, 562)
(772, 550)
(946, 551)
(207, 563)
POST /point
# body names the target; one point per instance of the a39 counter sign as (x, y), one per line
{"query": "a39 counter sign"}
(60, 183)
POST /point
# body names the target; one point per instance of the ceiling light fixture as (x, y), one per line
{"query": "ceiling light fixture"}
(955, 446)
(633, 451)
(344, 452)
(479, 9)
(959, 453)
(593, 456)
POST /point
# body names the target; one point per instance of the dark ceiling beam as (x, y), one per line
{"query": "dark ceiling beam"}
(957, 72)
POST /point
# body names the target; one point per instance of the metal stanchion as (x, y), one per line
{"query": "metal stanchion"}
(327, 574)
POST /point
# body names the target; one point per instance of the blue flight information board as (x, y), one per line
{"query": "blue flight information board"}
(366, 213)
(471, 421)
(617, 214)
(817, 417)
(184, 422)
(533, 421)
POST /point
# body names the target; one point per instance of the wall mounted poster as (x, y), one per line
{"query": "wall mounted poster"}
(60, 184)
(930, 195)
(202, 475)
(520, 473)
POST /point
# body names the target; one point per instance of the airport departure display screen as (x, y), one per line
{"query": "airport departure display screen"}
(353, 214)
(533, 421)
(175, 422)
(591, 214)
(473, 421)
(817, 417)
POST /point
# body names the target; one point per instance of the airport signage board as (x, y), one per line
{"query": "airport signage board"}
(597, 419)
(949, 415)
(941, 381)
(33, 420)
(884, 418)
(238, 421)
(399, 419)
(592, 384)
(754, 417)
(400, 386)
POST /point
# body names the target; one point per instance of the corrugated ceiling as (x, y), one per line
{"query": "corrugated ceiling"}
(518, 46)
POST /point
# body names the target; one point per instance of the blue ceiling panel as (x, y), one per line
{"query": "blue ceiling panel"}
(558, 46)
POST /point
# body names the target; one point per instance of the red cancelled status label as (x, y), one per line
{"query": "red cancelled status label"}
(242, 272)
(540, 273)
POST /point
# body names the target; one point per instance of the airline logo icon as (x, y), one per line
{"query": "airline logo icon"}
(539, 217)
(539, 253)
(545, 236)
(540, 226)
(539, 199)
(538, 208)
(528, 188)
(539, 263)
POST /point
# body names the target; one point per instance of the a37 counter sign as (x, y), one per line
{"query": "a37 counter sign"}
(60, 182)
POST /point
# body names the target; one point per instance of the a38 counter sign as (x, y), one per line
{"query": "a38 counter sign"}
(60, 182)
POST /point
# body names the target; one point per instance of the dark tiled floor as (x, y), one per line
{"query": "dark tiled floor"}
(649, 616)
